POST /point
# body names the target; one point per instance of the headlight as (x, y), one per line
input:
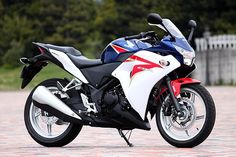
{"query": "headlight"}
(188, 56)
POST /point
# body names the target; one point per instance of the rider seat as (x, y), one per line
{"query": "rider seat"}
(83, 62)
(75, 55)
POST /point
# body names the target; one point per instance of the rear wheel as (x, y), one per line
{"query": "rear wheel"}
(45, 128)
(197, 121)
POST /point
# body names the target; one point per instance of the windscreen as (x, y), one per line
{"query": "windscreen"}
(171, 28)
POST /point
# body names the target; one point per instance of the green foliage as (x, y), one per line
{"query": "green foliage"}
(75, 25)
(10, 79)
(11, 58)
(1, 8)
(89, 25)
(14, 29)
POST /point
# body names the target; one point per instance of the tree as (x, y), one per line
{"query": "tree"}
(76, 25)
(89, 25)
(11, 58)
(17, 29)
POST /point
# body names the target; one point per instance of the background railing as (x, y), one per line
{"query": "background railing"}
(216, 42)
(216, 59)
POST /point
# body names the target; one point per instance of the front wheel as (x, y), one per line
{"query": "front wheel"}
(197, 121)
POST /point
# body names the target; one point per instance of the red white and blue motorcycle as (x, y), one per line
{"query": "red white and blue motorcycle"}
(137, 76)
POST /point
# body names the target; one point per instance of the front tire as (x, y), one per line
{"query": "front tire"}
(39, 123)
(193, 128)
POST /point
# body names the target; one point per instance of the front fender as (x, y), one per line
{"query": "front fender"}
(176, 84)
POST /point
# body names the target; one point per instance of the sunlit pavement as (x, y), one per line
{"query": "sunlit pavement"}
(16, 142)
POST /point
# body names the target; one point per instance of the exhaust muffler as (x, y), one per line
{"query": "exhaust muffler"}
(44, 97)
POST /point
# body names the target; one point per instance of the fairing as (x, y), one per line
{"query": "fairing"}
(68, 65)
(138, 75)
(121, 46)
(176, 41)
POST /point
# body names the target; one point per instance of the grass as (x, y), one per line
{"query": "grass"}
(10, 78)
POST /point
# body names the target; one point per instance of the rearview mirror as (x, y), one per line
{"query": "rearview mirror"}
(192, 24)
(154, 18)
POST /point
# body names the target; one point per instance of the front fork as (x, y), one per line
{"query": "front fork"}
(172, 96)
(176, 84)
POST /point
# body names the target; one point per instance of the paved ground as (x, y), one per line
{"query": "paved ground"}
(15, 141)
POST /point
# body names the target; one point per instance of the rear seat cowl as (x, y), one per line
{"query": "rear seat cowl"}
(65, 49)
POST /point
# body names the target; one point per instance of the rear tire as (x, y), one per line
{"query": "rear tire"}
(68, 135)
(208, 120)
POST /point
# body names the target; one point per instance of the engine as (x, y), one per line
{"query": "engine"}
(114, 97)
(110, 99)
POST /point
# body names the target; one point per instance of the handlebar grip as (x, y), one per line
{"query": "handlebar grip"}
(141, 35)
(133, 37)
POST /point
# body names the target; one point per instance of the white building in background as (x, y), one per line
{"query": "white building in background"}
(221, 51)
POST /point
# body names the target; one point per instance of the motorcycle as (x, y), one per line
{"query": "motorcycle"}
(137, 76)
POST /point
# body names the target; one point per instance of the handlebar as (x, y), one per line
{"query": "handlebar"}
(138, 36)
(141, 35)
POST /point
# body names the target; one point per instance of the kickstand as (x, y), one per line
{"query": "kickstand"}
(124, 136)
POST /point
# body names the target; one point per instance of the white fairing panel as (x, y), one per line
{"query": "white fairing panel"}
(138, 75)
(68, 64)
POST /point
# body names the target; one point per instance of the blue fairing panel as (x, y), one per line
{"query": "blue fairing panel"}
(165, 47)
(121, 46)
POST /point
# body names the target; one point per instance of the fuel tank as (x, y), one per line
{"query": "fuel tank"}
(120, 47)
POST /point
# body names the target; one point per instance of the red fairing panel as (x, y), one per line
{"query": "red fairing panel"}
(119, 49)
(176, 84)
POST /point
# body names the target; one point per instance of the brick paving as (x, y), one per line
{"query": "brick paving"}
(100, 142)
